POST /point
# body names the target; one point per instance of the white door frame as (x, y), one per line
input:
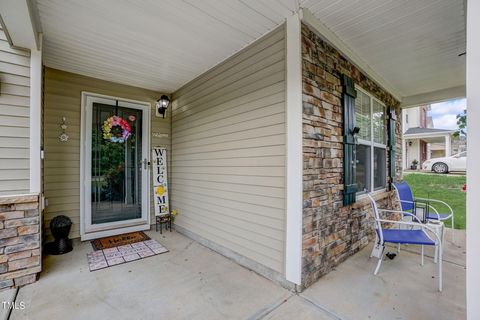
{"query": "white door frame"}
(87, 230)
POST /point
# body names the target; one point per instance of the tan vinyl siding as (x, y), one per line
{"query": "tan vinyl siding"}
(14, 119)
(62, 98)
(228, 153)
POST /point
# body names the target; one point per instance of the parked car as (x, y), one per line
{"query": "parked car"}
(456, 162)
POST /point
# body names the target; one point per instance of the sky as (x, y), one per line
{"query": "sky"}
(444, 114)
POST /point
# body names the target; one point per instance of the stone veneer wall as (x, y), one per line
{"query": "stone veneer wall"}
(20, 254)
(331, 232)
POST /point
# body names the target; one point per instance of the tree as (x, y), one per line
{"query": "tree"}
(462, 124)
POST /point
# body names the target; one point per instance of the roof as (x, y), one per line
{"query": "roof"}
(417, 131)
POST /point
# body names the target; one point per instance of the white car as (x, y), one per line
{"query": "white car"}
(456, 162)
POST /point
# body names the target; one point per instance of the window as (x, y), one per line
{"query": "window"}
(371, 145)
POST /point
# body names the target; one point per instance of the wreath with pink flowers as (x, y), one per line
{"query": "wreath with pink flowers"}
(116, 129)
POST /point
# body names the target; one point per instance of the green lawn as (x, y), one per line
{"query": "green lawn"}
(447, 188)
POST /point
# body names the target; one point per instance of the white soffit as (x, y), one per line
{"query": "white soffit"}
(163, 44)
(412, 44)
(22, 31)
(158, 45)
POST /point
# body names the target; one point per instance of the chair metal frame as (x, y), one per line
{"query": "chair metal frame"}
(420, 226)
(450, 215)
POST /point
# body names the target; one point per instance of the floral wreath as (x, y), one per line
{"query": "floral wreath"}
(116, 129)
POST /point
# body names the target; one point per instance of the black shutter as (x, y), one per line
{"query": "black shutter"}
(349, 145)
(392, 117)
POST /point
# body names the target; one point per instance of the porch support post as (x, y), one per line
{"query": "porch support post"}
(473, 169)
(294, 116)
(36, 70)
(20, 21)
(448, 146)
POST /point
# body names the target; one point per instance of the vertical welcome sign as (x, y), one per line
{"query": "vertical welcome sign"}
(160, 181)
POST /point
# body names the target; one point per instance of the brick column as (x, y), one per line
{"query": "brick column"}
(331, 231)
(20, 246)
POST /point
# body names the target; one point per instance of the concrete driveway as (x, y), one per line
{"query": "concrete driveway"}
(193, 282)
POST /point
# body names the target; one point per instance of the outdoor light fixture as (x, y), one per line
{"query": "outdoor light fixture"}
(410, 143)
(162, 105)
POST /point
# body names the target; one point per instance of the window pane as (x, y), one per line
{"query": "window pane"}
(362, 115)
(379, 130)
(363, 167)
(380, 168)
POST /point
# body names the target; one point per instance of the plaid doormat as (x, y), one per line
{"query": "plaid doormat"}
(117, 255)
(119, 240)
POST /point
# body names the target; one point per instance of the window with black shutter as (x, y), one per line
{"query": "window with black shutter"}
(349, 158)
(392, 117)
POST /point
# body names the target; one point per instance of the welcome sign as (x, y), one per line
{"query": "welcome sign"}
(160, 181)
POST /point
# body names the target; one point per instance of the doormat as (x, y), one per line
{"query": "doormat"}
(101, 259)
(120, 240)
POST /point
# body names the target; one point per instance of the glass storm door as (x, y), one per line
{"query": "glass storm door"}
(116, 164)
(116, 167)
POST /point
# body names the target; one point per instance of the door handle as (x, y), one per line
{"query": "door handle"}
(146, 163)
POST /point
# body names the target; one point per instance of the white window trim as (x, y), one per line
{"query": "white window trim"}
(372, 144)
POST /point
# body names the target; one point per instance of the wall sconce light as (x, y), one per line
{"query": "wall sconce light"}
(410, 143)
(162, 105)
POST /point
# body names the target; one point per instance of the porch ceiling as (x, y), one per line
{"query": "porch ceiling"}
(161, 45)
(414, 45)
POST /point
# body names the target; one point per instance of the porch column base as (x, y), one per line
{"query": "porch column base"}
(20, 246)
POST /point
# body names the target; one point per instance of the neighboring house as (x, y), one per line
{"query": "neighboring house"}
(271, 150)
(459, 144)
(421, 141)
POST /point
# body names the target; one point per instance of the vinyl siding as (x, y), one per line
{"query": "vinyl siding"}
(228, 153)
(62, 98)
(14, 119)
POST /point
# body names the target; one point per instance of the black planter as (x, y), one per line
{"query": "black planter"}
(60, 227)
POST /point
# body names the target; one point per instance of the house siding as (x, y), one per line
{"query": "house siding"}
(14, 119)
(62, 98)
(331, 231)
(228, 153)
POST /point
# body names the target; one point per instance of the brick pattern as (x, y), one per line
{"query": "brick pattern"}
(331, 232)
(20, 250)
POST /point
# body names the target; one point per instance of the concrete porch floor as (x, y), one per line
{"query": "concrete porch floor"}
(403, 289)
(193, 282)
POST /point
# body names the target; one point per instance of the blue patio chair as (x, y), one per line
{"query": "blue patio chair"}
(415, 235)
(407, 203)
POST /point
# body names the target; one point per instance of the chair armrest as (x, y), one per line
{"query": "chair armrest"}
(402, 212)
(421, 200)
(406, 223)
(413, 224)
(437, 201)
(435, 211)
